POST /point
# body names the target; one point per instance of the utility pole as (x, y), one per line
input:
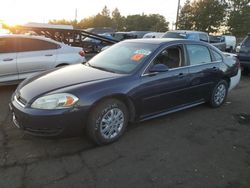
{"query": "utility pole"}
(76, 15)
(177, 15)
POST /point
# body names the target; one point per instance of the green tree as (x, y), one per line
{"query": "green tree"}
(209, 15)
(239, 17)
(152, 22)
(105, 11)
(186, 17)
(118, 20)
(203, 15)
(102, 19)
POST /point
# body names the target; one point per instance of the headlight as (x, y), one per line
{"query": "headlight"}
(55, 101)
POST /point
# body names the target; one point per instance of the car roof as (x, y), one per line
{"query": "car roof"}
(156, 40)
(186, 31)
(166, 41)
(29, 37)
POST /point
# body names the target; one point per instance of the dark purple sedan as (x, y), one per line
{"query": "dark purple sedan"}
(134, 80)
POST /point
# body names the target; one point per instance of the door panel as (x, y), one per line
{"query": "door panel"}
(8, 67)
(163, 91)
(202, 79)
(34, 56)
(202, 71)
(29, 63)
(8, 59)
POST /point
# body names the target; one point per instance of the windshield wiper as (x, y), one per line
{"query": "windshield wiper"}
(101, 68)
(104, 69)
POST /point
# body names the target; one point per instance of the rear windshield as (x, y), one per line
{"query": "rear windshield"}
(123, 57)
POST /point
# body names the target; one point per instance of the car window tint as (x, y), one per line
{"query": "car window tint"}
(198, 54)
(7, 45)
(216, 55)
(203, 37)
(26, 45)
(171, 57)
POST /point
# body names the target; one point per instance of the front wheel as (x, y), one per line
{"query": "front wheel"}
(107, 121)
(219, 94)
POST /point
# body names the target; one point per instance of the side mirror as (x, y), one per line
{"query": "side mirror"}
(159, 68)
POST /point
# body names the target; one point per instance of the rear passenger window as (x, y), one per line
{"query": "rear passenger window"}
(25, 45)
(198, 54)
(216, 56)
(7, 45)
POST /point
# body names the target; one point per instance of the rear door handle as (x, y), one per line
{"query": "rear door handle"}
(8, 59)
(48, 54)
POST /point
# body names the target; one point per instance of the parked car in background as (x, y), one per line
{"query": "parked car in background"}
(153, 35)
(22, 56)
(120, 36)
(194, 35)
(133, 80)
(95, 45)
(230, 42)
(100, 30)
(139, 34)
(244, 54)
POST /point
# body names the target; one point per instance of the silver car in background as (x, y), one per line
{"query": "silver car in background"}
(22, 56)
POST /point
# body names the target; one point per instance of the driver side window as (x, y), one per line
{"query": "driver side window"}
(172, 57)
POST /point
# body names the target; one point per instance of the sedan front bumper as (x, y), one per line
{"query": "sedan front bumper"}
(63, 122)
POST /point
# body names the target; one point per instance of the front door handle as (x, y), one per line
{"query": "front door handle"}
(48, 54)
(8, 59)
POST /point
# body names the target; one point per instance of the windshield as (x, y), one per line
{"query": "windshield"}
(123, 57)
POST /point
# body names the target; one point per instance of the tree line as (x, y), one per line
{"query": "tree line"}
(114, 19)
(212, 16)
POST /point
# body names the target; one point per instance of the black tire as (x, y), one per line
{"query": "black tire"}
(96, 121)
(217, 98)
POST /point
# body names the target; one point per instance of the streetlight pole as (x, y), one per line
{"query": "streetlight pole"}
(177, 15)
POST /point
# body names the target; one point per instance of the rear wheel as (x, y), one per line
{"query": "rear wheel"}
(107, 121)
(219, 94)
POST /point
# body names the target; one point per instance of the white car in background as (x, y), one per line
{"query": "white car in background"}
(230, 42)
(153, 35)
(21, 56)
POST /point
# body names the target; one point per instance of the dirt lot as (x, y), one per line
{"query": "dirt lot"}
(196, 148)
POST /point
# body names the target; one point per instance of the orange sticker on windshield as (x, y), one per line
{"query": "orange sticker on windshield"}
(137, 57)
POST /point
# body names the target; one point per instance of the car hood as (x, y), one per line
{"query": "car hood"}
(60, 78)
